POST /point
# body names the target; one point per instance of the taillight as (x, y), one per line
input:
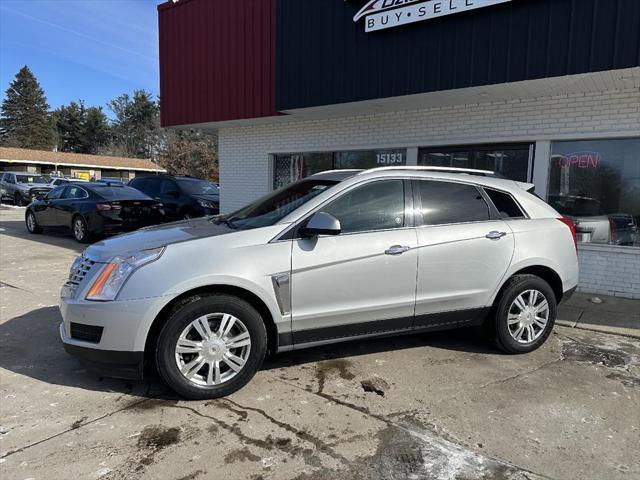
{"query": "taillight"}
(569, 223)
(613, 231)
(105, 207)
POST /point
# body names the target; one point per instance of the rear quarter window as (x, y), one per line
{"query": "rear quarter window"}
(447, 203)
(505, 204)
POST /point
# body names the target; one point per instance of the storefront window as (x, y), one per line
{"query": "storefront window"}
(289, 168)
(597, 184)
(512, 161)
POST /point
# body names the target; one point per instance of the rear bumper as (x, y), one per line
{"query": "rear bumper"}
(568, 294)
(110, 363)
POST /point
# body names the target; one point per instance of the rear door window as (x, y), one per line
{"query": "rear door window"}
(447, 202)
(505, 204)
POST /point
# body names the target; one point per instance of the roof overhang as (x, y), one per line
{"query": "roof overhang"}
(87, 165)
(587, 83)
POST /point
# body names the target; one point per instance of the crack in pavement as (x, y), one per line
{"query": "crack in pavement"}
(74, 427)
(425, 435)
(301, 434)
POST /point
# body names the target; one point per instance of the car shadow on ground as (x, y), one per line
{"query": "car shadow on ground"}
(57, 237)
(30, 345)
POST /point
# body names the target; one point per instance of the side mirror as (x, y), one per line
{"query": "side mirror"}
(321, 223)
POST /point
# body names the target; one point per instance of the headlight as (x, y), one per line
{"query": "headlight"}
(116, 272)
(206, 204)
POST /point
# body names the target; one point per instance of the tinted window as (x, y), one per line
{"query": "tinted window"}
(271, 208)
(55, 193)
(505, 204)
(74, 191)
(167, 186)
(375, 206)
(119, 193)
(445, 202)
(198, 187)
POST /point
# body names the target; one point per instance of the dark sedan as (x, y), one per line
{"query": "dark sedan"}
(92, 210)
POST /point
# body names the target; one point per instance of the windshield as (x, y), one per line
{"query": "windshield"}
(197, 187)
(30, 179)
(271, 208)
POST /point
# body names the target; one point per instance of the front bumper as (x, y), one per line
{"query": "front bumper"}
(119, 352)
(109, 363)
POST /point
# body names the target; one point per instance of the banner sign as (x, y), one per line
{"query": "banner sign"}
(381, 14)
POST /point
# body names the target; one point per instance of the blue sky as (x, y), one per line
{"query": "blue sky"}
(92, 50)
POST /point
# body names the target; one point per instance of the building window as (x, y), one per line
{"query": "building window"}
(513, 161)
(597, 184)
(289, 168)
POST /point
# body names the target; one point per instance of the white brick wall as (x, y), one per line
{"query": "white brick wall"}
(609, 270)
(245, 169)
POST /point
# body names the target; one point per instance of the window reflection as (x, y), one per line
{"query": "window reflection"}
(597, 184)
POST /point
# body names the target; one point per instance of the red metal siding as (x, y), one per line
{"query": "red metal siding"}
(217, 60)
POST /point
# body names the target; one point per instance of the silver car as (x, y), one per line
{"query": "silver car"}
(22, 188)
(338, 256)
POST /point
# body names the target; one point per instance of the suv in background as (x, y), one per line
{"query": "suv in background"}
(337, 256)
(22, 187)
(182, 197)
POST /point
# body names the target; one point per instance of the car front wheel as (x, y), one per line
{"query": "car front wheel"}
(32, 223)
(525, 314)
(211, 346)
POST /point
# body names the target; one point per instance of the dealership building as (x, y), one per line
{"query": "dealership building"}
(542, 91)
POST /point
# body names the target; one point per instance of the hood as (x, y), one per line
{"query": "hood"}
(210, 198)
(36, 185)
(154, 237)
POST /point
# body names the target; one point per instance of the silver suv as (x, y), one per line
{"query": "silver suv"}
(22, 188)
(340, 255)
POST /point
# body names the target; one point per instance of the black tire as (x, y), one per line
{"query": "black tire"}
(179, 320)
(80, 229)
(497, 325)
(17, 199)
(32, 223)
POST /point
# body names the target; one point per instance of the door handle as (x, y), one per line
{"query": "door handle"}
(396, 250)
(495, 235)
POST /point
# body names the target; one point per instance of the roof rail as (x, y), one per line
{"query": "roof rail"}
(433, 169)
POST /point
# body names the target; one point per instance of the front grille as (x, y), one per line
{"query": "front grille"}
(79, 270)
(39, 191)
(86, 333)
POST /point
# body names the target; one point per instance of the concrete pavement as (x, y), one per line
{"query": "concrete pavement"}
(443, 405)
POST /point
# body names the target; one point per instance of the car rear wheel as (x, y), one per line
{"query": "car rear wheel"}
(525, 314)
(32, 223)
(80, 229)
(211, 346)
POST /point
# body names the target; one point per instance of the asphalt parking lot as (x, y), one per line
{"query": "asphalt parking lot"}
(437, 406)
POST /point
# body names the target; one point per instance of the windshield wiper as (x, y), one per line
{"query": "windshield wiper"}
(219, 220)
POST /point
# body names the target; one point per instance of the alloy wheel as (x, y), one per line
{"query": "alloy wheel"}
(79, 229)
(528, 316)
(31, 222)
(212, 349)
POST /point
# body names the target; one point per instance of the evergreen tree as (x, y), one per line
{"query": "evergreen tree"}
(136, 128)
(69, 121)
(81, 129)
(25, 121)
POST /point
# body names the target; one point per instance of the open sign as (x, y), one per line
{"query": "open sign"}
(582, 160)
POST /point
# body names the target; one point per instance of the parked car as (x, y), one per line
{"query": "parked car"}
(57, 181)
(624, 229)
(110, 181)
(590, 220)
(92, 210)
(22, 187)
(182, 197)
(337, 256)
